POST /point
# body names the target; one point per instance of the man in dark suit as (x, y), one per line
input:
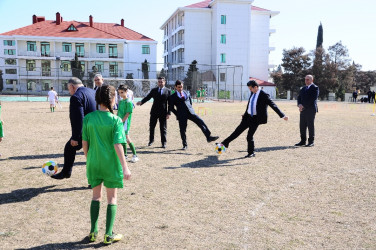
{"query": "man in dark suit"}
(255, 114)
(82, 102)
(307, 103)
(158, 111)
(184, 112)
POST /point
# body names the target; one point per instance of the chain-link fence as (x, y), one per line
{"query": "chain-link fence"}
(221, 82)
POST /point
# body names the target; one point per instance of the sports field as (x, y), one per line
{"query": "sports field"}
(322, 197)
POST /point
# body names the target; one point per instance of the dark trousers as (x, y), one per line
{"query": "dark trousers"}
(307, 120)
(249, 123)
(183, 122)
(70, 156)
(162, 126)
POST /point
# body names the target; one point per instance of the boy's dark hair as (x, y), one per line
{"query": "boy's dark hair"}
(252, 83)
(52, 88)
(104, 96)
(178, 82)
(160, 78)
(123, 87)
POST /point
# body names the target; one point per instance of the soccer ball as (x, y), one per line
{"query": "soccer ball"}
(49, 168)
(220, 148)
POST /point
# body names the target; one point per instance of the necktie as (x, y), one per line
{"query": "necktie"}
(252, 103)
(159, 90)
(182, 96)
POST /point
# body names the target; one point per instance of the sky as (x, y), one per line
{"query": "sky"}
(352, 22)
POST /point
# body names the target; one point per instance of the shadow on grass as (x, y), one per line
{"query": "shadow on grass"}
(267, 149)
(80, 163)
(208, 162)
(82, 244)
(26, 194)
(170, 151)
(48, 156)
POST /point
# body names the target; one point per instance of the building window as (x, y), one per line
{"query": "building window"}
(65, 85)
(145, 49)
(30, 65)
(66, 66)
(9, 52)
(112, 49)
(31, 46)
(10, 61)
(223, 58)
(223, 19)
(46, 86)
(80, 49)
(113, 69)
(11, 71)
(99, 66)
(223, 39)
(67, 47)
(46, 68)
(9, 42)
(222, 77)
(45, 48)
(101, 48)
(71, 28)
(82, 64)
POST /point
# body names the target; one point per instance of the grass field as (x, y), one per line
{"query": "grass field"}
(284, 198)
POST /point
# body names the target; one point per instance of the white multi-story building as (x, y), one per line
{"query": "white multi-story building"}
(35, 57)
(222, 34)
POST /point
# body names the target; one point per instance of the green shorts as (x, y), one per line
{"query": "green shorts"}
(107, 184)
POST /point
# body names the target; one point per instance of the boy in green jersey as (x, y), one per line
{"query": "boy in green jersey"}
(102, 138)
(125, 110)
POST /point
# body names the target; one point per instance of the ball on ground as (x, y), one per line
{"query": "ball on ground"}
(220, 148)
(49, 168)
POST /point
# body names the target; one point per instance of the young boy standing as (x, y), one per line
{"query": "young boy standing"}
(125, 113)
(52, 98)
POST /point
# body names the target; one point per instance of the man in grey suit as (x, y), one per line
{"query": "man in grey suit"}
(184, 112)
(307, 103)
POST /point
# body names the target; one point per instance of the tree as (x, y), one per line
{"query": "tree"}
(320, 37)
(162, 73)
(145, 72)
(191, 78)
(130, 83)
(1, 81)
(76, 68)
(92, 73)
(364, 80)
(295, 65)
(277, 80)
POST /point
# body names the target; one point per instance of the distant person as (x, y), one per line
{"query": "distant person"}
(373, 96)
(355, 95)
(255, 115)
(52, 98)
(369, 94)
(307, 103)
(203, 94)
(158, 111)
(102, 138)
(184, 112)
(98, 81)
(1, 127)
(82, 102)
(125, 113)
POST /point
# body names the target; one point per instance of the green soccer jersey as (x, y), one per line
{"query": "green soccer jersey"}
(125, 106)
(198, 93)
(102, 130)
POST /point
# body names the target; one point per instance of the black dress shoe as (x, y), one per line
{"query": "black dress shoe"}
(164, 145)
(184, 148)
(212, 138)
(150, 143)
(310, 144)
(300, 144)
(250, 155)
(61, 176)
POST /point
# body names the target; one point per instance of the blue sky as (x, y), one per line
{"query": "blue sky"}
(352, 22)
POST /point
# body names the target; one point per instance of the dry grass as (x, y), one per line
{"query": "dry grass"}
(285, 197)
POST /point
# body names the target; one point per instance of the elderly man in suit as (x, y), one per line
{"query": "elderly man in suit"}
(307, 103)
(82, 102)
(184, 112)
(255, 115)
(158, 111)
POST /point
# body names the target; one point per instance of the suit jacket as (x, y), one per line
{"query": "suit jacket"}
(308, 98)
(263, 101)
(81, 103)
(160, 104)
(183, 107)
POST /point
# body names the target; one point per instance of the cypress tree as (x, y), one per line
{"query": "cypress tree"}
(320, 38)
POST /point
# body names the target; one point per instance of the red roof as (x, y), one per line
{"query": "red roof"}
(99, 30)
(262, 82)
(205, 4)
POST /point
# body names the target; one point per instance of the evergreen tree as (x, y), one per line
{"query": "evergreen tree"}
(191, 78)
(162, 73)
(90, 81)
(320, 37)
(1, 81)
(76, 68)
(145, 72)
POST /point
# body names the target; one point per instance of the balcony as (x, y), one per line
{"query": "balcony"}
(68, 55)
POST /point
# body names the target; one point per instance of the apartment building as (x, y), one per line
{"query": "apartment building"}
(35, 57)
(220, 33)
